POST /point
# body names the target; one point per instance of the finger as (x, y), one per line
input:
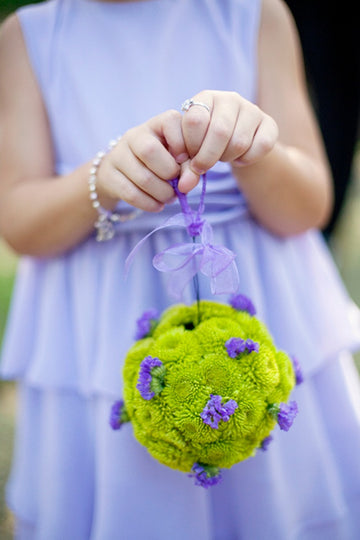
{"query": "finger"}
(222, 124)
(188, 178)
(247, 124)
(195, 123)
(173, 136)
(263, 141)
(134, 196)
(118, 186)
(127, 164)
(152, 153)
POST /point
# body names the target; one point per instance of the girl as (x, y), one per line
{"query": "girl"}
(74, 74)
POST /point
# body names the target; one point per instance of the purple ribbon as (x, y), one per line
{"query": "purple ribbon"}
(183, 261)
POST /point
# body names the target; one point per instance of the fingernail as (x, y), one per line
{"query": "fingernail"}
(196, 170)
(188, 181)
(181, 158)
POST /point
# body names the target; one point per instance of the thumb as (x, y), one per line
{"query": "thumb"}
(188, 178)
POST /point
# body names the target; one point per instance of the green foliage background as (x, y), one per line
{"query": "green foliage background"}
(8, 6)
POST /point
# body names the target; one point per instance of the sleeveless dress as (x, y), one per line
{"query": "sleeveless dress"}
(102, 68)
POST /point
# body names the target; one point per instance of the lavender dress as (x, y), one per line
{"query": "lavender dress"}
(103, 68)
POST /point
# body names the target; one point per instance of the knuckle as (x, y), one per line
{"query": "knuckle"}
(110, 162)
(234, 95)
(172, 114)
(193, 120)
(221, 130)
(274, 127)
(255, 109)
(131, 197)
(129, 134)
(147, 179)
(148, 149)
(246, 159)
(264, 144)
(241, 144)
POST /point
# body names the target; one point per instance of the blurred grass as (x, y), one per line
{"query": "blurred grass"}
(8, 262)
(345, 243)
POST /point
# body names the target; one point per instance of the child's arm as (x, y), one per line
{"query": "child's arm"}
(281, 167)
(43, 214)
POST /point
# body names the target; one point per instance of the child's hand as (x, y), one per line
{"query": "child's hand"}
(235, 130)
(136, 170)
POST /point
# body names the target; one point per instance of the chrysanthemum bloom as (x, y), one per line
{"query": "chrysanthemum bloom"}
(201, 390)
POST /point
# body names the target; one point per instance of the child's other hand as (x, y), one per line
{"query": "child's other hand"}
(136, 170)
(235, 130)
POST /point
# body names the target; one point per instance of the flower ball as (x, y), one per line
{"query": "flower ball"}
(204, 386)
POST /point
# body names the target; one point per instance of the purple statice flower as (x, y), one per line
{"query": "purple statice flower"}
(205, 475)
(242, 303)
(214, 411)
(145, 377)
(299, 377)
(286, 415)
(266, 442)
(146, 323)
(118, 414)
(236, 346)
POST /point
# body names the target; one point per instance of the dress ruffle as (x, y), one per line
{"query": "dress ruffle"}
(304, 487)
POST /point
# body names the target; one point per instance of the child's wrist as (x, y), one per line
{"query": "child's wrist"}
(107, 216)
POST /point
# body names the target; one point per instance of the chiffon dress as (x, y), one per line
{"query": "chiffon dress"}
(102, 68)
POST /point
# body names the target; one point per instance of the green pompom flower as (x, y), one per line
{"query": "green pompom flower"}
(203, 387)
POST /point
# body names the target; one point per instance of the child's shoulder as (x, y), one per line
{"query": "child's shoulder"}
(276, 15)
(11, 41)
(9, 28)
(279, 40)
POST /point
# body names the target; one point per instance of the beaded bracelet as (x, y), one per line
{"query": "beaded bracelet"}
(105, 224)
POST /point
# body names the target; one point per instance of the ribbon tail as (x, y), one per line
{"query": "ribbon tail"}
(227, 281)
(177, 281)
(173, 221)
(182, 263)
(219, 265)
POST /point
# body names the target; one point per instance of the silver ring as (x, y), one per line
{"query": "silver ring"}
(190, 103)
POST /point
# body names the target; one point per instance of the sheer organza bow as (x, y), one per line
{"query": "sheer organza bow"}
(185, 260)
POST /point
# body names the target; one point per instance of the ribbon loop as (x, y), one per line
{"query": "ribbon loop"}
(183, 261)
